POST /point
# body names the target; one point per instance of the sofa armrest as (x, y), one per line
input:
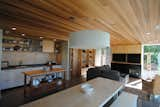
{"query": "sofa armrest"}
(92, 73)
(124, 79)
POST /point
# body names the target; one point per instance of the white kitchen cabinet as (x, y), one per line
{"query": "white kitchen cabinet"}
(10, 78)
(14, 77)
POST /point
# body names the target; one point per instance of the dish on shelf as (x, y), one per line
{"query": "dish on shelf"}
(35, 82)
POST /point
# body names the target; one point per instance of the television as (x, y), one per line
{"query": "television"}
(119, 57)
(134, 58)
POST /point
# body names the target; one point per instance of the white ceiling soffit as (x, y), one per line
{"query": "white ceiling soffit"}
(89, 39)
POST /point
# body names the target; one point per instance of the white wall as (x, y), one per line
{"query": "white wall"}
(98, 57)
(65, 59)
(108, 56)
(89, 39)
(1, 34)
(103, 56)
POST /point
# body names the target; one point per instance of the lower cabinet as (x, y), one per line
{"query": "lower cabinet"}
(14, 77)
(131, 69)
(8, 79)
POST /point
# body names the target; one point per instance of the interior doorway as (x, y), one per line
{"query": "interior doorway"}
(80, 61)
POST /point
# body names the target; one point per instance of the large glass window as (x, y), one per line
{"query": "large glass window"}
(151, 61)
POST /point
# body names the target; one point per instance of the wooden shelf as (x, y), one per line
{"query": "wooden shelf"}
(87, 58)
(125, 63)
(80, 58)
(43, 88)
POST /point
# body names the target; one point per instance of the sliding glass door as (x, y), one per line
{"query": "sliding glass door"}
(150, 61)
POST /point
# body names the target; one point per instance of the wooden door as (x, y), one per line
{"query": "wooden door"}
(75, 63)
(59, 58)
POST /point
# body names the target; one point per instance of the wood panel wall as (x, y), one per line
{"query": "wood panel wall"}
(133, 49)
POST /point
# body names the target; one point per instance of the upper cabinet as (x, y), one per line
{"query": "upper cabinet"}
(126, 49)
(48, 45)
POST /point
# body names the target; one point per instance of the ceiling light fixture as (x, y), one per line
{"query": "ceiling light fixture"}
(23, 34)
(148, 33)
(14, 28)
(41, 37)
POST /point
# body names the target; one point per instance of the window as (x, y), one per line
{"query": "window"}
(151, 61)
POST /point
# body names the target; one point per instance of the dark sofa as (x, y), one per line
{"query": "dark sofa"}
(103, 71)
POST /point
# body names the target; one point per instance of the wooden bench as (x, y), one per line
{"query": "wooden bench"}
(125, 100)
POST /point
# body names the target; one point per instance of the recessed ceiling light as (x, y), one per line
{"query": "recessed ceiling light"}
(14, 28)
(71, 18)
(41, 37)
(148, 33)
(23, 34)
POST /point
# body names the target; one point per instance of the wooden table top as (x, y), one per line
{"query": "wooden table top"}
(104, 90)
(42, 72)
(57, 70)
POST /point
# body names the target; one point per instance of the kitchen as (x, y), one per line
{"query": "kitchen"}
(24, 53)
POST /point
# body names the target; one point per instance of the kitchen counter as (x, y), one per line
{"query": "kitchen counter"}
(12, 76)
(25, 66)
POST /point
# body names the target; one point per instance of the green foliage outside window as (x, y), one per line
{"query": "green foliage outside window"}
(154, 50)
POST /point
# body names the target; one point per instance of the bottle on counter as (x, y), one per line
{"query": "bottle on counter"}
(50, 65)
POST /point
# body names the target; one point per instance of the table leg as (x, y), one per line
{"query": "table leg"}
(64, 75)
(25, 84)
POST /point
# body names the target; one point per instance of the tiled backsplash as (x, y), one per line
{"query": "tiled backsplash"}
(26, 58)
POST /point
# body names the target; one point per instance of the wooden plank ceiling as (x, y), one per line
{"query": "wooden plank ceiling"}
(128, 21)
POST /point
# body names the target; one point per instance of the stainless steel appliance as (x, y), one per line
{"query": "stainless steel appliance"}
(5, 64)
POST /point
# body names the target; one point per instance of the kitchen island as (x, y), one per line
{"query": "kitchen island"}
(13, 77)
(36, 73)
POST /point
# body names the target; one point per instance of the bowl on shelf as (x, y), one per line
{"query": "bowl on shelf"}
(59, 82)
(48, 78)
(35, 82)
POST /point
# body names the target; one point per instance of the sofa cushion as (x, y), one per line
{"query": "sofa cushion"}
(104, 71)
(92, 73)
(114, 75)
(100, 68)
(107, 67)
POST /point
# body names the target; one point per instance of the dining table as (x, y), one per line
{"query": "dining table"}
(103, 91)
